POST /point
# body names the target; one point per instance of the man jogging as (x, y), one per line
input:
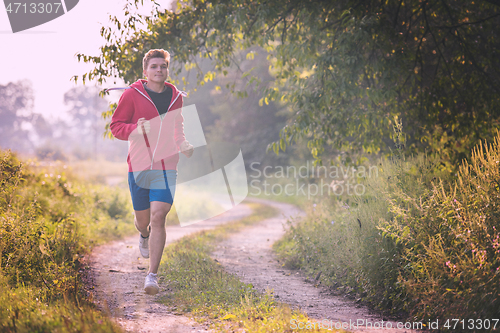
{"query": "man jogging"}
(149, 116)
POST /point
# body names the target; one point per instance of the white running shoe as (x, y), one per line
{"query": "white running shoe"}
(151, 285)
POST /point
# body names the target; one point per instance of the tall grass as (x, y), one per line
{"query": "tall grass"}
(340, 236)
(48, 222)
(419, 242)
(451, 241)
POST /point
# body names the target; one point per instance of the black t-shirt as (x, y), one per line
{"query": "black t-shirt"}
(162, 100)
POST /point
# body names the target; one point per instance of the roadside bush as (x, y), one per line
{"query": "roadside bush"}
(48, 221)
(418, 240)
(340, 243)
(452, 241)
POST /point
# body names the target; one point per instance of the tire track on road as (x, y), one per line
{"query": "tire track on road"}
(249, 255)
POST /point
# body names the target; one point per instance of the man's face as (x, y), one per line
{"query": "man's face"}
(157, 70)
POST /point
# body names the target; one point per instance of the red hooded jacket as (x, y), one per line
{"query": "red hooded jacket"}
(159, 149)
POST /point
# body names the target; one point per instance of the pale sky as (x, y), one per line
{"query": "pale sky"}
(45, 54)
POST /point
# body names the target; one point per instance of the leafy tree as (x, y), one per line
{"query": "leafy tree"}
(85, 108)
(16, 103)
(42, 127)
(350, 69)
(239, 119)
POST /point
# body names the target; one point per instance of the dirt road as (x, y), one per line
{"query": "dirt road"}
(119, 273)
(249, 255)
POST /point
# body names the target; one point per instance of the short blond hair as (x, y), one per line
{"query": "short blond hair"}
(155, 53)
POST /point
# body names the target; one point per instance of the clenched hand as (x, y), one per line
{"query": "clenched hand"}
(187, 149)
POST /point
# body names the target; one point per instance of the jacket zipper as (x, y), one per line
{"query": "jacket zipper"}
(161, 122)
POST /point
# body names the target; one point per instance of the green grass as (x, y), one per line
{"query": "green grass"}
(49, 220)
(203, 289)
(299, 201)
(100, 171)
(267, 192)
(23, 311)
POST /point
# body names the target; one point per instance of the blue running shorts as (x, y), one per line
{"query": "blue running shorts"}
(151, 185)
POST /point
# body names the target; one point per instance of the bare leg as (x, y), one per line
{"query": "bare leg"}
(159, 211)
(142, 219)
